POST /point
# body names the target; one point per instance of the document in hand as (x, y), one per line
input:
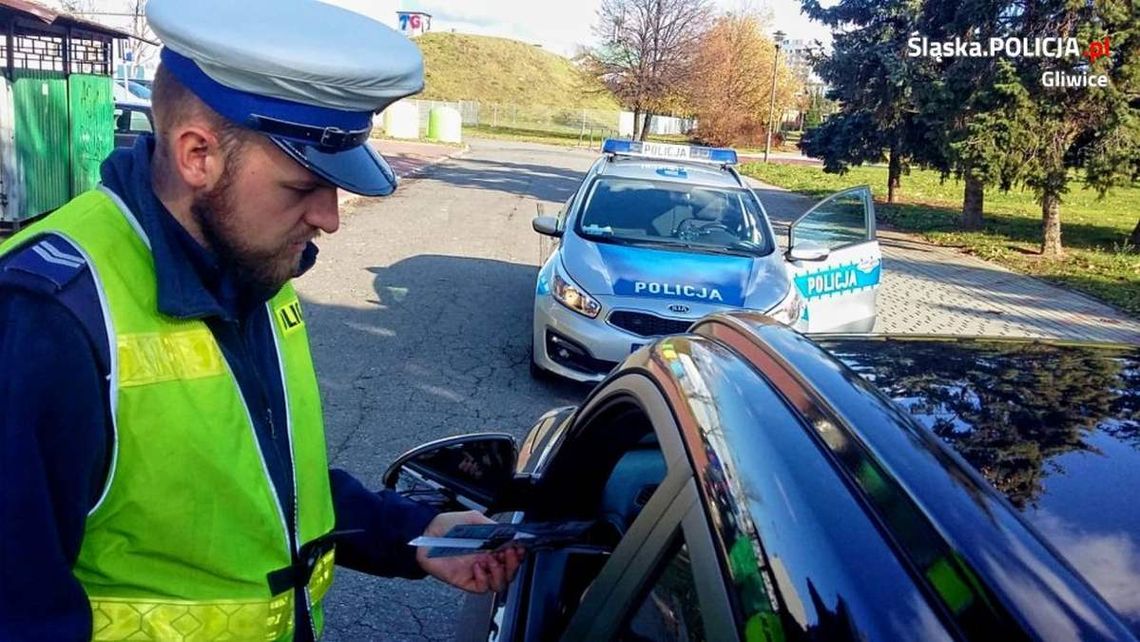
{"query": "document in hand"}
(466, 539)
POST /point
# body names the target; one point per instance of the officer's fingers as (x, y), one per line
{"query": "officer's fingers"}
(513, 559)
(481, 578)
(498, 575)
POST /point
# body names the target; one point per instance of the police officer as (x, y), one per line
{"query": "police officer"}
(163, 470)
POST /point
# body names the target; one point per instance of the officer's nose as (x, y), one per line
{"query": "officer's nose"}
(324, 210)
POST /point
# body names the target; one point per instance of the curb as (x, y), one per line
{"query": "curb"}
(344, 197)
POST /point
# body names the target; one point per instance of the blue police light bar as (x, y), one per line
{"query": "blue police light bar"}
(717, 155)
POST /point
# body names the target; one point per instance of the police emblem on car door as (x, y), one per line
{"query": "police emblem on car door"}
(836, 262)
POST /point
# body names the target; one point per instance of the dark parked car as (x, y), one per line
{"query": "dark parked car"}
(132, 119)
(751, 484)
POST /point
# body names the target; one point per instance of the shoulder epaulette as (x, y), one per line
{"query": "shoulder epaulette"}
(51, 258)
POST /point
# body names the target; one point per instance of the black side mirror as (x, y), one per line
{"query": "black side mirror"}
(479, 468)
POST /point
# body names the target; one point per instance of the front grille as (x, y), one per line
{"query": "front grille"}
(647, 325)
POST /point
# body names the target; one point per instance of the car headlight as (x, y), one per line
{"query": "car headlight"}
(789, 310)
(572, 296)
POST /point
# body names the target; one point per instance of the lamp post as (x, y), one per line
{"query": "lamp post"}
(779, 38)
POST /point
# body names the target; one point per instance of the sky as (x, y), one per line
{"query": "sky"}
(560, 26)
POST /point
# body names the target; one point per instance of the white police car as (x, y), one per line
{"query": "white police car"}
(657, 236)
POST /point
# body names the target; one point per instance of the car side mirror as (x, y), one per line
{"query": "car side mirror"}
(479, 467)
(808, 251)
(546, 225)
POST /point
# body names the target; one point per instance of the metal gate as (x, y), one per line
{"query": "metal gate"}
(42, 138)
(92, 129)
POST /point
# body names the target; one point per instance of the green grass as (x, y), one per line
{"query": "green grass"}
(563, 138)
(555, 137)
(1094, 231)
(498, 70)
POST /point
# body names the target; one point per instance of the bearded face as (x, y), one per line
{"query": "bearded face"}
(262, 212)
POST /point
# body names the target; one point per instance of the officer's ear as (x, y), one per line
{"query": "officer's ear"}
(196, 155)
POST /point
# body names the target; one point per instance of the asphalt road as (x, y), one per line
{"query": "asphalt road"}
(419, 312)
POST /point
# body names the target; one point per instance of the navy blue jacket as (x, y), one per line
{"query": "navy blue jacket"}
(55, 429)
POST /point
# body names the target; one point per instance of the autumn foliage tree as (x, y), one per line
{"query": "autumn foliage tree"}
(729, 85)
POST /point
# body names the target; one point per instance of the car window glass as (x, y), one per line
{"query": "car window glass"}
(122, 121)
(140, 124)
(673, 214)
(139, 90)
(615, 465)
(670, 609)
(837, 222)
(565, 211)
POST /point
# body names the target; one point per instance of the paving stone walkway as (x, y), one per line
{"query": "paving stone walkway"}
(929, 289)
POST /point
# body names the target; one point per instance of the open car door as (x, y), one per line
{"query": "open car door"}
(836, 262)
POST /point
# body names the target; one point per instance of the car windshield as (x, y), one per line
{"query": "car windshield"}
(674, 215)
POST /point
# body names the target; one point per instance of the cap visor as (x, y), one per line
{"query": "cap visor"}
(360, 170)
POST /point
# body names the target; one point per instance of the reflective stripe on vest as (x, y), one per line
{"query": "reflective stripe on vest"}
(181, 543)
(135, 619)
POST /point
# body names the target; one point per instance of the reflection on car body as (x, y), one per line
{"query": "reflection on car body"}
(751, 485)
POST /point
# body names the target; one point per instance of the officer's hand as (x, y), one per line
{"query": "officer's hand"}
(476, 573)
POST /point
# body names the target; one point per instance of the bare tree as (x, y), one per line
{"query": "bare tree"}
(646, 50)
(77, 7)
(141, 51)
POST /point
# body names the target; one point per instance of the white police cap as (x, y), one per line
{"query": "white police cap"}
(307, 74)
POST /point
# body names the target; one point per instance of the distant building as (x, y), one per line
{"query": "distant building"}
(798, 54)
(413, 23)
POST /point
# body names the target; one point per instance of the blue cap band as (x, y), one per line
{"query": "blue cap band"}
(256, 111)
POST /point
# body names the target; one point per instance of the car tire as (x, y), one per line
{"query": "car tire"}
(536, 371)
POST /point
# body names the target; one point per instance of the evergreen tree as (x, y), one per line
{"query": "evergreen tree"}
(872, 78)
(969, 112)
(1093, 129)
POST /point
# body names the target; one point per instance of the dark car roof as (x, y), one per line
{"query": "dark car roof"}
(1054, 427)
(984, 565)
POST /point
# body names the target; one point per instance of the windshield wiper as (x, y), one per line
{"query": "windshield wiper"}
(671, 245)
(715, 249)
(603, 238)
(697, 247)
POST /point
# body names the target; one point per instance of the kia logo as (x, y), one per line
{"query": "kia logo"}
(678, 308)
